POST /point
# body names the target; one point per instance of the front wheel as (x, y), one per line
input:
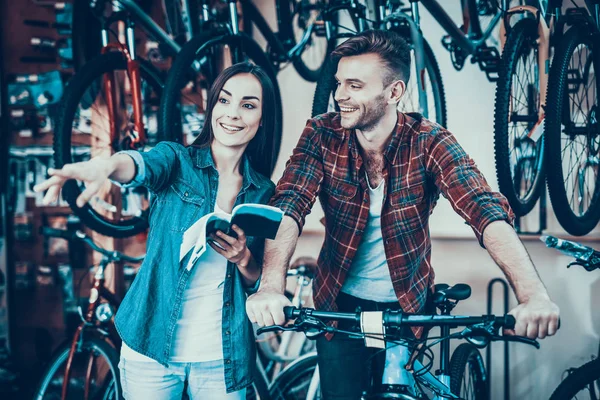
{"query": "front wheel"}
(582, 383)
(467, 373)
(518, 149)
(572, 137)
(300, 380)
(94, 369)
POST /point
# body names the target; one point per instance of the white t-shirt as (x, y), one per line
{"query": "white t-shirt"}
(199, 329)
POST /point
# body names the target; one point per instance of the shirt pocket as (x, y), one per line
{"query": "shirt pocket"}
(182, 207)
(340, 189)
(407, 207)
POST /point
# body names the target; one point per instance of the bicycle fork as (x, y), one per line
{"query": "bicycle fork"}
(137, 137)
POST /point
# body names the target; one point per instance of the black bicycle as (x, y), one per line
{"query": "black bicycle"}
(460, 376)
(582, 382)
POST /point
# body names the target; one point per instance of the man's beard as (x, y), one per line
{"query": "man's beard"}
(374, 112)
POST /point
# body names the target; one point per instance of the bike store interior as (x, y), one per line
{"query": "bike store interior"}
(526, 109)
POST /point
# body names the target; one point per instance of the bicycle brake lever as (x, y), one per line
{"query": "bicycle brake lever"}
(518, 339)
(588, 267)
(275, 328)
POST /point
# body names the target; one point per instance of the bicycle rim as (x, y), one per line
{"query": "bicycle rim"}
(83, 132)
(310, 63)
(467, 373)
(298, 382)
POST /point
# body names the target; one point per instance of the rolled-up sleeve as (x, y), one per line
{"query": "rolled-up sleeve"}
(461, 182)
(299, 186)
(154, 168)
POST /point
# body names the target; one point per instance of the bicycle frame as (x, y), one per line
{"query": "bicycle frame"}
(98, 292)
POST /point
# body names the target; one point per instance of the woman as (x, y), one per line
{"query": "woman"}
(190, 326)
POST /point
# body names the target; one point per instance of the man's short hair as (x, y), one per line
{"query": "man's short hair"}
(389, 46)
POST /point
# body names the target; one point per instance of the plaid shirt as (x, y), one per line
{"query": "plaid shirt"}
(421, 160)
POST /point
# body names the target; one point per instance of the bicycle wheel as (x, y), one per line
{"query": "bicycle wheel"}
(183, 105)
(572, 138)
(581, 383)
(324, 93)
(300, 380)
(519, 154)
(95, 365)
(467, 373)
(83, 131)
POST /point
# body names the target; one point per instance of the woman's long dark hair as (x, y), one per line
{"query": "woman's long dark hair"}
(259, 150)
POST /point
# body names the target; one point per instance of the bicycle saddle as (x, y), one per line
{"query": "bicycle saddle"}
(443, 292)
(308, 262)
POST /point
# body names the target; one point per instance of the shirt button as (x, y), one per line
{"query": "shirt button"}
(365, 200)
(186, 194)
(227, 361)
(387, 241)
(227, 304)
(227, 332)
(229, 275)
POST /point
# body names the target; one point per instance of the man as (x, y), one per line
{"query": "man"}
(378, 174)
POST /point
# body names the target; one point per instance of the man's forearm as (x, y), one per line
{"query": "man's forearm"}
(505, 247)
(277, 257)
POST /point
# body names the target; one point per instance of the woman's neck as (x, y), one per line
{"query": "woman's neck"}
(227, 159)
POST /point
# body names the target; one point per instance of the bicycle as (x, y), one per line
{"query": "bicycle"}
(572, 137)
(520, 102)
(182, 108)
(461, 375)
(87, 364)
(585, 378)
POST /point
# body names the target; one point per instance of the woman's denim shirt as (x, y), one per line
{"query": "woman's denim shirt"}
(183, 182)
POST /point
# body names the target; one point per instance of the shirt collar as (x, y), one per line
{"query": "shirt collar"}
(204, 159)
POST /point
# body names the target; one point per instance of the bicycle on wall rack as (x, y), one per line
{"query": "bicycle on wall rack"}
(300, 40)
(519, 115)
(460, 376)
(582, 382)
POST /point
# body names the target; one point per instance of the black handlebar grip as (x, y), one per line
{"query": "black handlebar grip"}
(59, 233)
(291, 312)
(509, 322)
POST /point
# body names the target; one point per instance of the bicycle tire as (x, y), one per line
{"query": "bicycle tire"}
(89, 343)
(289, 384)
(169, 119)
(557, 112)
(466, 356)
(519, 41)
(579, 379)
(74, 92)
(326, 86)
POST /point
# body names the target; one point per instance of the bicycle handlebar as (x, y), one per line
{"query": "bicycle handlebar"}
(477, 326)
(111, 255)
(398, 318)
(586, 256)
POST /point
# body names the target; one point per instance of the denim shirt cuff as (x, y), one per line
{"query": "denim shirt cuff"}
(254, 288)
(140, 168)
